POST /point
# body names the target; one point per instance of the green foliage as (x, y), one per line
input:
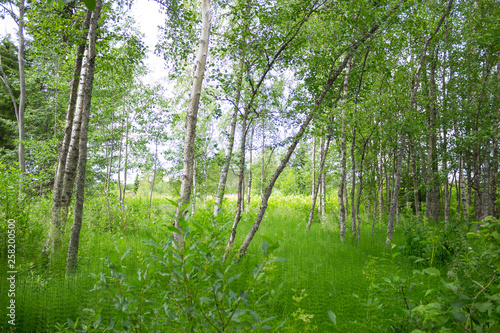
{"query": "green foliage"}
(14, 205)
(179, 287)
(437, 244)
(466, 299)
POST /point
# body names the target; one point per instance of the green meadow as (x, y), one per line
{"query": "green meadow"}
(130, 279)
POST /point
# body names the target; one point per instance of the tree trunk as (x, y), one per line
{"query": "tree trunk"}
(320, 180)
(486, 190)
(446, 184)
(120, 166)
(125, 167)
(395, 193)
(478, 193)
(250, 170)
(192, 117)
(241, 183)
(323, 192)
(353, 188)
(494, 164)
(380, 179)
(494, 175)
(358, 202)
(82, 160)
(154, 178)
(313, 186)
(262, 177)
(22, 88)
(316, 188)
(68, 153)
(63, 150)
(343, 153)
(221, 188)
(469, 187)
(432, 205)
(195, 190)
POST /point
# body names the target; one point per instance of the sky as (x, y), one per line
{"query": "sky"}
(148, 17)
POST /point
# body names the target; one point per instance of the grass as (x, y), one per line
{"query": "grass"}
(316, 261)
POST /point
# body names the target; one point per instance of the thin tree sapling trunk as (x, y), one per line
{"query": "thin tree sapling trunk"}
(229, 150)
(395, 193)
(250, 169)
(22, 88)
(316, 188)
(241, 181)
(343, 153)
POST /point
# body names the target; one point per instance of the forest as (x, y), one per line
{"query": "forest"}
(304, 166)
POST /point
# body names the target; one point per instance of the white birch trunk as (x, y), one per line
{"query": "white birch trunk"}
(192, 117)
(71, 264)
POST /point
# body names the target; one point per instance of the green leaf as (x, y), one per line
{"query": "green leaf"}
(255, 316)
(125, 254)
(457, 305)
(90, 4)
(151, 242)
(232, 278)
(174, 203)
(173, 229)
(265, 247)
(237, 314)
(459, 316)
(186, 205)
(276, 259)
(281, 324)
(205, 300)
(332, 317)
(483, 307)
(268, 319)
(432, 271)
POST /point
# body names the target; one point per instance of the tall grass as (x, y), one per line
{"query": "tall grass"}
(316, 261)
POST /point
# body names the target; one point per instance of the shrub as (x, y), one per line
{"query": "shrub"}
(179, 287)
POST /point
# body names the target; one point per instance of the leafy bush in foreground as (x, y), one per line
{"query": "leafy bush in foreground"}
(467, 299)
(187, 289)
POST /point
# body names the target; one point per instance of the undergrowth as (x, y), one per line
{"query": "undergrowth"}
(131, 278)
